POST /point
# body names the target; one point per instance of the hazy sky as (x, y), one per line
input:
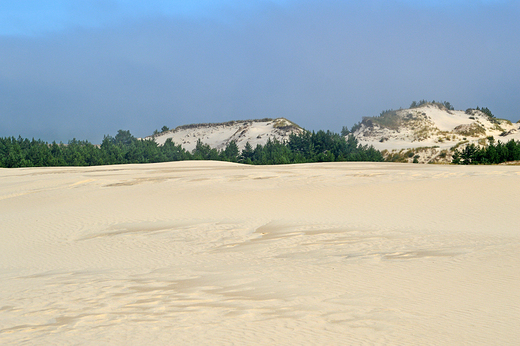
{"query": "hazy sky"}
(85, 68)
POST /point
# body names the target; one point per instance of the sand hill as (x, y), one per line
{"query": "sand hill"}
(218, 135)
(428, 133)
(431, 132)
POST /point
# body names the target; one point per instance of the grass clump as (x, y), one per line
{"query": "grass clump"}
(284, 124)
(422, 133)
(459, 144)
(471, 130)
(508, 122)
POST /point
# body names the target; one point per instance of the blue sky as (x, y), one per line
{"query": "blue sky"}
(33, 17)
(83, 69)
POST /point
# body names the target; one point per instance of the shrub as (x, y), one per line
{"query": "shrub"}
(486, 111)
(471, 130)
(388, 119)
(444, 104)
(355, 127)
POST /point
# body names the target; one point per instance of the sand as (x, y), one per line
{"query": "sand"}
(219, 135)
(443, 127)
(194, 253)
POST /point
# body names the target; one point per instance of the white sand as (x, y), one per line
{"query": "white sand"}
(442, 120)
(219, 135)
(220, 254)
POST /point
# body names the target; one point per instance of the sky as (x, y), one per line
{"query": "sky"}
(86, 68)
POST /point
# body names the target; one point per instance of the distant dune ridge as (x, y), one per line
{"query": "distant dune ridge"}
(218, 135)
(427, 133)
(431, 132)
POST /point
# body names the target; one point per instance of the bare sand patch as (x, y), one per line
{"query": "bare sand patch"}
(219, 253)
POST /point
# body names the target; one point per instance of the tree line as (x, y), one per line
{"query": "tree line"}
(446, 104)
(124, 148)
(486, 111)
(492, 154)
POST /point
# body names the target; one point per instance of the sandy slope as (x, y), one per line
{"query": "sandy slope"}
(219, 254)
(218, 136)
(439, 130)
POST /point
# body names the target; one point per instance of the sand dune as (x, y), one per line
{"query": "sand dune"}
(219, 135)
(219, 254)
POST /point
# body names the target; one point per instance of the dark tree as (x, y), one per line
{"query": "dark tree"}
(231, 152)
(124, 138)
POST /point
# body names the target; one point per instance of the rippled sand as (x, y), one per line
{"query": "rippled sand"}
(218, 253)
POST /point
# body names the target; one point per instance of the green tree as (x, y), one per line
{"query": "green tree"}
(231, 152)
(173, 152)
(123, 138)
(247, 154)
(344, 131)
(204, 152)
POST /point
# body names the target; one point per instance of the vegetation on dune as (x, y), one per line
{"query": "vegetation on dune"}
(124, 148)
(285, 125)
(391, 120)
(486, 111)
(388, 119)
(470, 130)
(443, 104)
(356, 127)
(433, 154)
(227, 123)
